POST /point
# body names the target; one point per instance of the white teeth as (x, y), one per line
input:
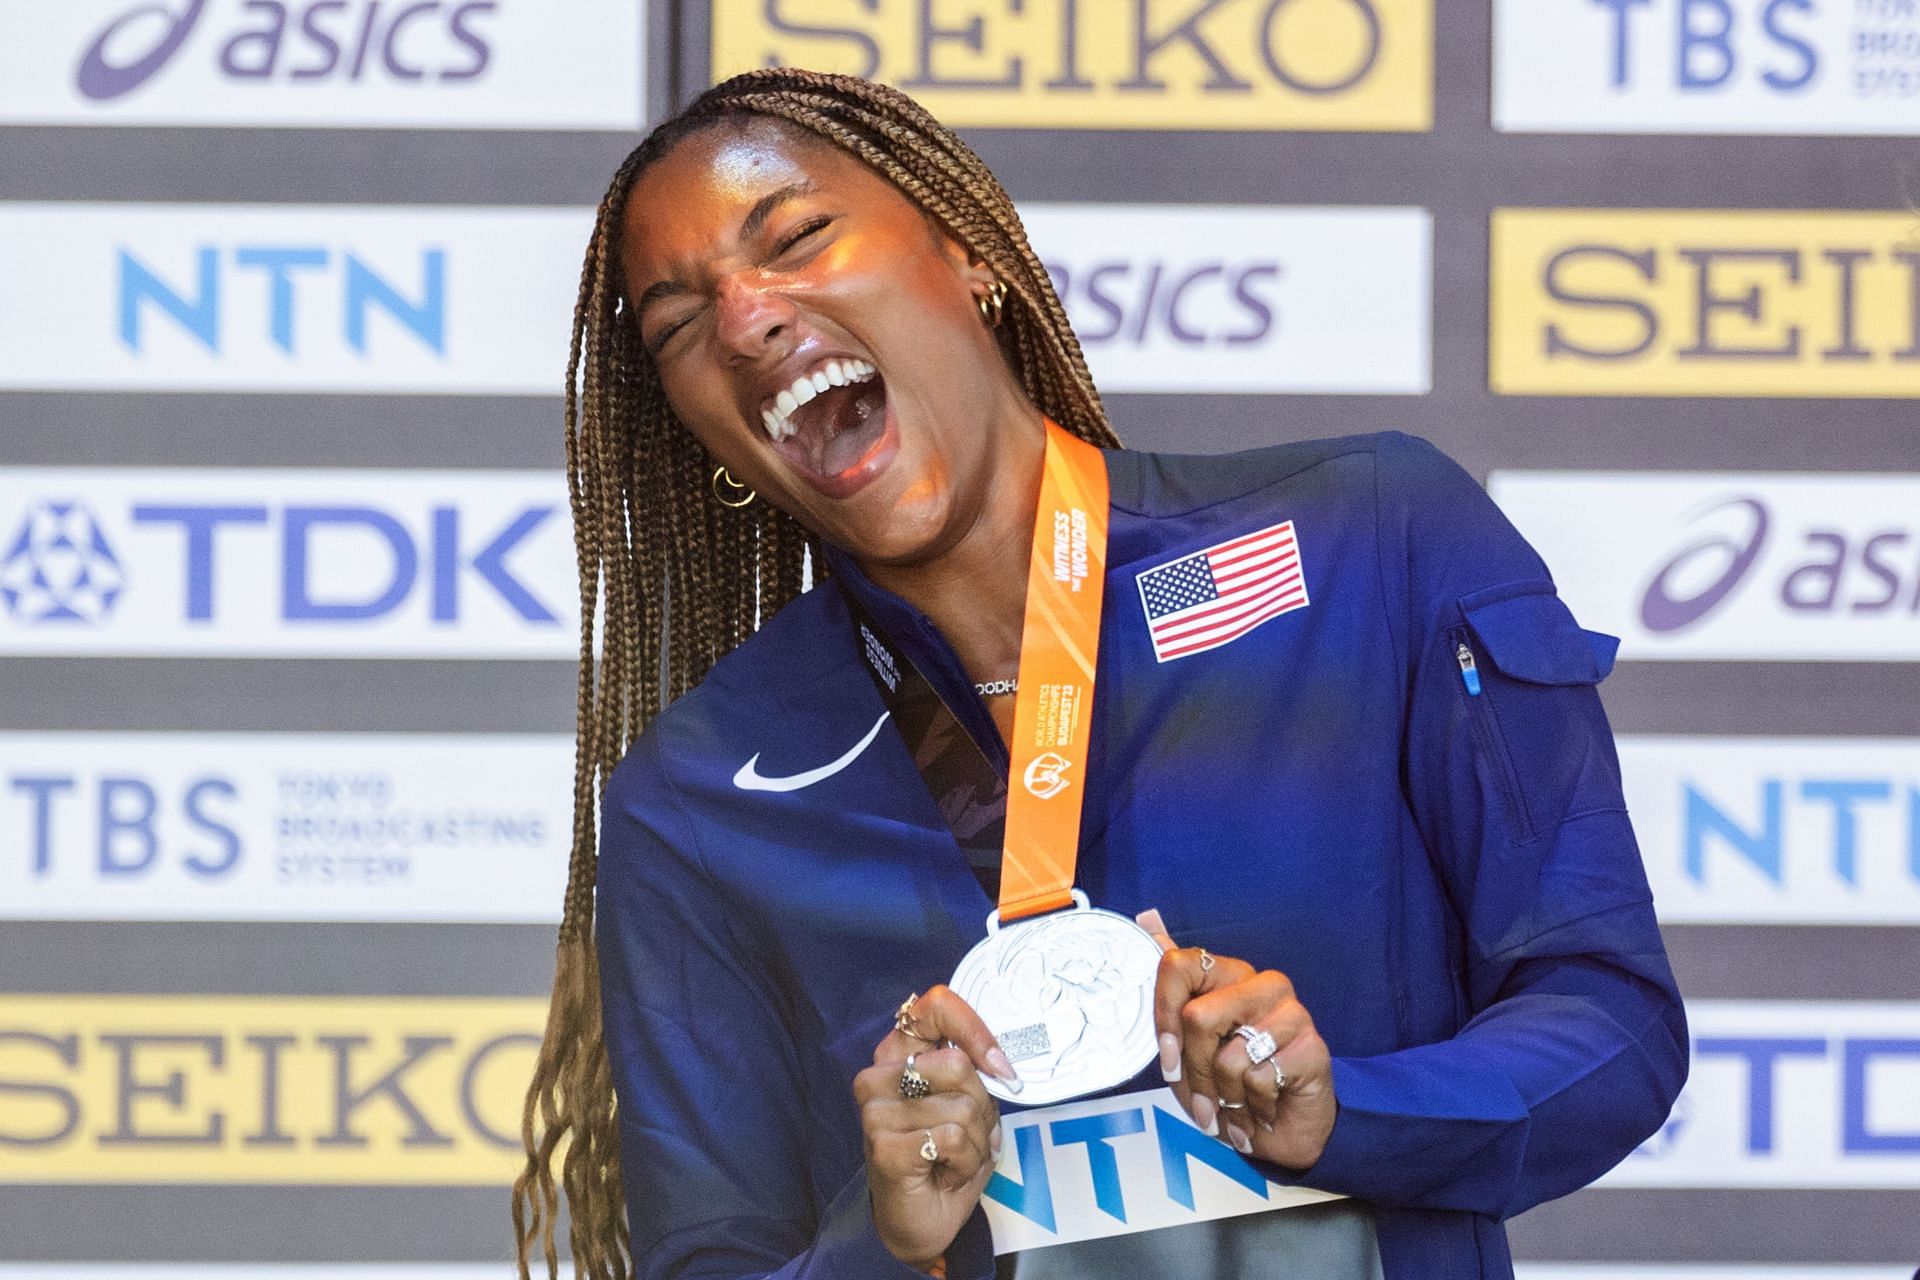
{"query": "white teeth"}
(834, 373)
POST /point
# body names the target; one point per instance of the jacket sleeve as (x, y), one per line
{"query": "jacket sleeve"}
(713, 1129)
(1573, 1044)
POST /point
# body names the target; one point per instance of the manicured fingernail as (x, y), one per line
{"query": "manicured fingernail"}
(1150, 920)
(1003, 1070)
(1240, 1141)
(1204, 1116)
(1169, 1057)
(1265, 1127)
(994, 1141)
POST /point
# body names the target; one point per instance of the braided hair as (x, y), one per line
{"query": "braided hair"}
(678, 580)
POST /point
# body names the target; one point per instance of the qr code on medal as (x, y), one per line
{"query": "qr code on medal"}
(1026, 1042)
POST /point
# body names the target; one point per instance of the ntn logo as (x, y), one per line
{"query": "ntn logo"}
(1861, 572)
(1832, 303)
(1038, 1148)
(1852, 813)
(191, 300)
(268, 40)
(1712, 42)
(1120, 300)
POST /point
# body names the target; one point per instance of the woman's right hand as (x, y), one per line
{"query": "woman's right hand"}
(919, 1205)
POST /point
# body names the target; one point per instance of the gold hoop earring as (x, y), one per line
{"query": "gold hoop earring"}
(992, 303)
(721, 474)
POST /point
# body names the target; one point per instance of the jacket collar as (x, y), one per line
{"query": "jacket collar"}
(919, 641)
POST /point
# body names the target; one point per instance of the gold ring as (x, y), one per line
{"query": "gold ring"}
(903, 1019)
(1231, 1106)
(1206, 961)
(928, 1151)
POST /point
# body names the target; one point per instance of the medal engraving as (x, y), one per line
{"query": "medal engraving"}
(1070, 998)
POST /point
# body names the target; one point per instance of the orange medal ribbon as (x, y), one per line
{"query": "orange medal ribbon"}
(1053, 708)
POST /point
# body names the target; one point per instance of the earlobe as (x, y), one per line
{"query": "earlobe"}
(980, 277)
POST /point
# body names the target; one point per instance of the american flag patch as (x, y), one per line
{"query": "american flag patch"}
(1205, 599)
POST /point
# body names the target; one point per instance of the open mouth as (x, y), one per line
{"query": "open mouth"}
(838, 430)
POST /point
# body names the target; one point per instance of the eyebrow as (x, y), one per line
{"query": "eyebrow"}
(763, 207)
(750, 226)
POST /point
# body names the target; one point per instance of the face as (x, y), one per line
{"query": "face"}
(821, 337)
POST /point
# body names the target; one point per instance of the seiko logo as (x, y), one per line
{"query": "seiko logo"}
(1103, 64)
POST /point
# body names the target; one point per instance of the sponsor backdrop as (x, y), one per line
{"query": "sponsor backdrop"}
(286, 599)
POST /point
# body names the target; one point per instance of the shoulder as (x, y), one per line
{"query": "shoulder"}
(1369, 467)
(798, 667)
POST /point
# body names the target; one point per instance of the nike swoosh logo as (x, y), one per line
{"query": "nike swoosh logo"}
(750, 779)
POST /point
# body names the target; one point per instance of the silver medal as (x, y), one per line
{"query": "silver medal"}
(1070, 998)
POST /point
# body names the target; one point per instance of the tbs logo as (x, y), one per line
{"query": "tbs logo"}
(1705, 46)
(323, 40)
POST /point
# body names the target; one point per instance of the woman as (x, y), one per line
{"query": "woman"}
(1383, 826)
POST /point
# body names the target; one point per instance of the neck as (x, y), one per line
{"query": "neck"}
(975, 591)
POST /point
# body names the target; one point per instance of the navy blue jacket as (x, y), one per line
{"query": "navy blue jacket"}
(1448, 877)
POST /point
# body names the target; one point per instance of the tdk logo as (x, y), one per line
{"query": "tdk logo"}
(237, 561)
(1861, 1131)
(266, 41)
(265, 283)
(383, 582)
(59, 567)
(1706, 46)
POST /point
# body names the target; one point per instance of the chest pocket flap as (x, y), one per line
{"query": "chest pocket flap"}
(1533, 637)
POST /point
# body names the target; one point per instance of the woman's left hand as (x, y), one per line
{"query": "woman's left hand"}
(1280, 1110)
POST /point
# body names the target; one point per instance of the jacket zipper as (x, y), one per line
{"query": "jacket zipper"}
(1486, 727)
(1469, 669)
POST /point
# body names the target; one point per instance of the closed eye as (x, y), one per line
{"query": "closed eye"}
(660, 338)
(808, 228)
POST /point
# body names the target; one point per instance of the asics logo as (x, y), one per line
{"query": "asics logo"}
(750, 779)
